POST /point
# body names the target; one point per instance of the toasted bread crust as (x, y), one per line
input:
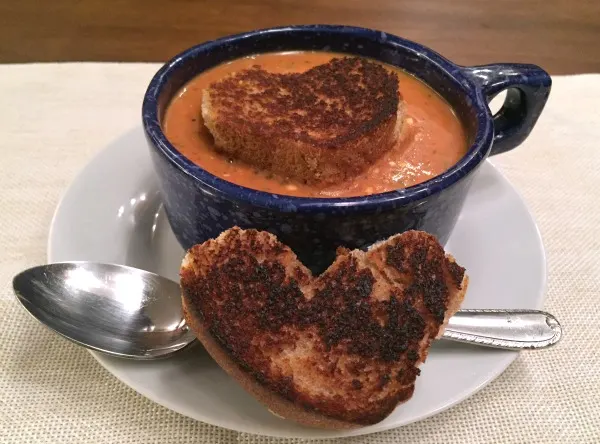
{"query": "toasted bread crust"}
(339, 350)
(321, 126)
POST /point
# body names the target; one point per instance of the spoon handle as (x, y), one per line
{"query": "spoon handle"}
(507, 329)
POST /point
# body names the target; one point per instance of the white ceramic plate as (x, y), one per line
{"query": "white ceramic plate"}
(112, 213)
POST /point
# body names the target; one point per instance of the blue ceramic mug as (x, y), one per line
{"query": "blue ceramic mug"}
(200, 205)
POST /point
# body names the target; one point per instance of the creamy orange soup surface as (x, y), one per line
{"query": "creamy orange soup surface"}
(432, 138)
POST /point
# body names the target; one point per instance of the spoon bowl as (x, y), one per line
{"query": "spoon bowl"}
(114, 309)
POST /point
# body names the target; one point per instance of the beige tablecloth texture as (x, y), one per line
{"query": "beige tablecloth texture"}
(55, 117)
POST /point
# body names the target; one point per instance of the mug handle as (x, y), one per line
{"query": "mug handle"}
(528, 87)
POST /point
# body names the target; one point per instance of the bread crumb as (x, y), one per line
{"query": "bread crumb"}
(275, 414)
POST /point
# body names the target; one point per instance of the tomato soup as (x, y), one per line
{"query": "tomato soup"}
(432, 138)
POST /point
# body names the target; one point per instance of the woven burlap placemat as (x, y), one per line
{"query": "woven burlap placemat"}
(53, 119)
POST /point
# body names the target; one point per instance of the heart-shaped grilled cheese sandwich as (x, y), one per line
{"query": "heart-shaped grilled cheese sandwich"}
(336, 351)
(322, 126)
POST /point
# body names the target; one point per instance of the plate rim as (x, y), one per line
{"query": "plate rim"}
(315, 433)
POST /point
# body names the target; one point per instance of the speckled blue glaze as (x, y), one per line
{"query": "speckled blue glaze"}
(200, 206)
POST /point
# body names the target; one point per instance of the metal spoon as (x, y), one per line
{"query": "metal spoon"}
(131, 313)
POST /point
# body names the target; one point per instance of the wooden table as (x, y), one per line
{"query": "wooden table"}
(562, 36)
